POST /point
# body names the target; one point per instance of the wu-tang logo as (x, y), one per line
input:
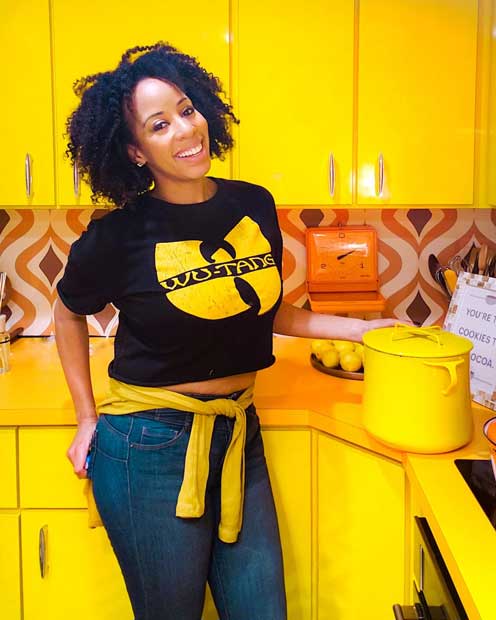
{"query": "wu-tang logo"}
(220, 279)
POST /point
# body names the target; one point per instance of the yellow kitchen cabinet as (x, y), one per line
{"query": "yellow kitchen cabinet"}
(8, 468)
(416, 102)
(361, 538)
(46, 476)
(10, 569)
(288, 454)
(27, 159)
(201, 29)
(293, 68)
(491, 163)
(68, 569)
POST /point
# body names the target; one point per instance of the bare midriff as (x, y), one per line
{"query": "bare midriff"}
(221, 386)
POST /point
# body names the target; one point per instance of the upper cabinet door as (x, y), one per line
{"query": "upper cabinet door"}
(294, 84)
(491, 130)
(90, 37)
(26, 159)
(416, 101)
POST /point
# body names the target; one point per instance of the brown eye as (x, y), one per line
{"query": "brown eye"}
(160, 125)
(189, 111)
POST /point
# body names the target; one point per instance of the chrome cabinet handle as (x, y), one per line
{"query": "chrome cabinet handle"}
(332, 176)
(42, 550)
(75, 179)
(27, 175)
(381, 175)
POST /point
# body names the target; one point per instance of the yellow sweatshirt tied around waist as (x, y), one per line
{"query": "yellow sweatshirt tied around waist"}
(125, 399)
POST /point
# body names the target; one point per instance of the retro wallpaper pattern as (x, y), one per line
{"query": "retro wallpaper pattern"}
(34, 245)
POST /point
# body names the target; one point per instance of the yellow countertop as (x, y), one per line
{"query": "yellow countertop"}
(293, 394)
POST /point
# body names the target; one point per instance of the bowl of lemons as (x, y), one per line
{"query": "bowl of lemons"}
(340, 358)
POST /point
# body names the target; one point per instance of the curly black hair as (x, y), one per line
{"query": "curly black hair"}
(99, 134)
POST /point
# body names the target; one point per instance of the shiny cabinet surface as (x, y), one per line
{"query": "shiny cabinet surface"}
(360, 532)
(10, 568)
(26, 160)
(416, 102)
(294, 87)
(370, 103)
(8, 468)
(199, 29)
(69, 570)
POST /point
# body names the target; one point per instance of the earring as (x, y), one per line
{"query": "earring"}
(140, 164)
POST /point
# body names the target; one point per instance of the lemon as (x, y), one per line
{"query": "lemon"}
(350, 361)
(344, 345)
(330, 358)
(359, 347)
(319, 346)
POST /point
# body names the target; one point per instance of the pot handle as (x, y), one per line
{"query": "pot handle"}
(401, 330)
(451, 366)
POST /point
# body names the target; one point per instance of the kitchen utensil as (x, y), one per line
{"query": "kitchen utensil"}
(472, 260)
(482, 258)
(491, 263)
(456, 264)
(417, 388)
(490, 433)
(436, 270)
(3, 280)
(467, 255)
(450, 278)
(4, 346)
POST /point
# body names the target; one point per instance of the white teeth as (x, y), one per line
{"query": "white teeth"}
(190, 152)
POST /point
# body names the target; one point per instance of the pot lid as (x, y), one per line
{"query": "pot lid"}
(409, 341)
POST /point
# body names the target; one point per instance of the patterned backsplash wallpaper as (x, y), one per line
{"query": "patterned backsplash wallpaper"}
(34, 245)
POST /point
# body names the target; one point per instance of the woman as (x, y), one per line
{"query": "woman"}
(193, 263)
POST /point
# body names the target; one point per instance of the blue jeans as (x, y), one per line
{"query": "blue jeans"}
(137, 471)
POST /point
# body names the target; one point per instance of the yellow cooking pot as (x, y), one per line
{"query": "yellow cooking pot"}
(417, 388)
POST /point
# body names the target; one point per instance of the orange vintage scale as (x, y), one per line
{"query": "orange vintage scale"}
(342, 274)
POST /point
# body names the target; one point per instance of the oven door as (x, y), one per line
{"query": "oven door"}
(435, 595)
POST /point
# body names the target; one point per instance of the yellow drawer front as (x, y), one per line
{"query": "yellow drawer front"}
(8, 476)
(47, 479)
(10, 572)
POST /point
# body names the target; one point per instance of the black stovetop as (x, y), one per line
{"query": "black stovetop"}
(480, 478)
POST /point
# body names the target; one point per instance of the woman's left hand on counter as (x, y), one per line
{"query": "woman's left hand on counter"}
(293, 321)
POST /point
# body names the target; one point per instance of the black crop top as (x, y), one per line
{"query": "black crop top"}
(197, 285)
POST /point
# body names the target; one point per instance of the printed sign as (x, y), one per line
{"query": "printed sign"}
(472, 314)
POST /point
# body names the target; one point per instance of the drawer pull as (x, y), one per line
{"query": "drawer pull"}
(42, 550)
(75, 179)
(381, 175)
(332, 176)
(27, 175)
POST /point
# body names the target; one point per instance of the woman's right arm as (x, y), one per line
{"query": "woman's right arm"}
(71, 335)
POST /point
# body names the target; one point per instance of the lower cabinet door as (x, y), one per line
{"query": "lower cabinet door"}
(361, 517)
(288, 454)
(288, 457)
(10, 572)
(69, 570)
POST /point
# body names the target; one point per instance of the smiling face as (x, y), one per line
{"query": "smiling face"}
(171, 136)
